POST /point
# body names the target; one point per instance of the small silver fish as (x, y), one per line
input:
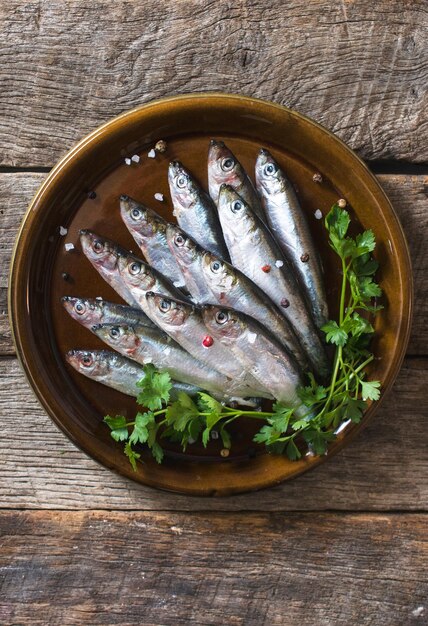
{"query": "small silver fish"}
(149, 231)
(104, 255)
(258, 353)
(196, 213)
(254, 251)
(116, 371)
(147, 345)
(224, 168)
(288, 224)
(90, 311)
(184, 323)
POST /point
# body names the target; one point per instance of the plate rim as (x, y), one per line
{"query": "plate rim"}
(30, 214)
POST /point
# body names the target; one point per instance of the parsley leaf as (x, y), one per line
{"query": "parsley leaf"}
(140, 434)
(132, 455)
(155, 388)
(118, 426)
(292, 451)
(337, 222)
(335, 334)
(353, 409)
(370, 390)
(365, 242)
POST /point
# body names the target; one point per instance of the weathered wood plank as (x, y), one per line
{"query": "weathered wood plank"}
(207, 569)
(358, 67)
(407, 193)
(385, 468)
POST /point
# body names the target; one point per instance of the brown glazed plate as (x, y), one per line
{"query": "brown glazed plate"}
(43, 331)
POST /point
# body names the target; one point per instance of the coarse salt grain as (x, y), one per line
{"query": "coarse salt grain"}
(63, 231)
(98, 298)
(135, 158)
(159, 196)
(177, 283)
(68, 247)
(318, 214)
(151, 154)
(418, 612)
(252, 337)
(279, 263)
(128, 161)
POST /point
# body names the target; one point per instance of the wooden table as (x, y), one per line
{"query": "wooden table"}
(344, 544)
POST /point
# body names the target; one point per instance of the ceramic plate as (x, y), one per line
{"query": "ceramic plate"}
(44, 332)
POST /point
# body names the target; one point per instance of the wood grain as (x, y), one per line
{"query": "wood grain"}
(407, 193)
(213, 569)
(385, 468)
(359, 68)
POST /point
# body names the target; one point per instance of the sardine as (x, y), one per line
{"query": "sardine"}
(196, 213)
(289, 226)
(258, 352)
(224, 168)
(188, 255)
(91, 311)
(104, 255)
(254, 251)
(114, 370)
(149, 231)
(147, 345)
(184, 323)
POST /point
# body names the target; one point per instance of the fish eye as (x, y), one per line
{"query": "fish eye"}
(179, 240)
(215, 266)
(181, 181)
(115, 332)
(134, 268)
(136, 214)
(165, 305)
(98, 246)
(79, 307)
(227, 164)
(236, 206)
(221, 317)
(270, 169)
(87, 360)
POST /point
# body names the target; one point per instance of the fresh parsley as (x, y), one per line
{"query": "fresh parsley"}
(186, 420)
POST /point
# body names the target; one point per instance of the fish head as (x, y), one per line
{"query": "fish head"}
(235, 212)
(183, 189)
(100, 251)
(223, 166)
(88, 362)
(135, 273)
(139, 218)
(219, 275)
(224, 324)
(269, 177)
(85, 311)
(183, 247)
(118, 335)
(168, 311)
